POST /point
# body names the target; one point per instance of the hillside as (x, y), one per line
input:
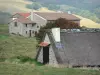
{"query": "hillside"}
(88, 9)
(87, 22)
(84, 4)
(14, 5)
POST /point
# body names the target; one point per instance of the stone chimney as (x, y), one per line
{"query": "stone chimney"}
(56, 34)
(31, 15)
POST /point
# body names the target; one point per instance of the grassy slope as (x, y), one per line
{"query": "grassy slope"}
(26, 69)
(15, 45)
(17, 6)
(14, 5)
(44, 9)
(87, 22)
(3, 29)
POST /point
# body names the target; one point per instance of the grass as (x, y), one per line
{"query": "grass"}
(17, 57)
(13, 46)
(4, 29)
(27, 69)
(14, 5)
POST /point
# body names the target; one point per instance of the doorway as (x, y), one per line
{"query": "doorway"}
(46, 54)
(30, 33)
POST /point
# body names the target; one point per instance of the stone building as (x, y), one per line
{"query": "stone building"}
(28, 24)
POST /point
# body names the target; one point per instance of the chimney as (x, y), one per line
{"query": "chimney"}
(56, 34)
(31, 15)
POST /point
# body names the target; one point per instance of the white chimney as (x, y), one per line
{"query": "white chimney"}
(56, 34)
(31, 15)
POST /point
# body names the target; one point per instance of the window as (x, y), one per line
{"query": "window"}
(15, 24)
(32, 31)
(26, 25)
(35, 33)
(26, 32)
(37, 26)
(32, 25)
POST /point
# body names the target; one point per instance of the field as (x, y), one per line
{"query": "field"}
(17, 57)
(26, 69)
(87, 22)
(14, 5)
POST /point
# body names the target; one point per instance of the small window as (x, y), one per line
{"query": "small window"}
(32, 31)
(37, 26)
(32, 25)
(35, 33)
(26, 32)
(15, 24)
(26, 25)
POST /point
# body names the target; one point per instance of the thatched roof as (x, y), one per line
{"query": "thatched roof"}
(77, 47)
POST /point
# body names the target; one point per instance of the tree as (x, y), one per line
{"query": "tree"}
(66, 24)
(34, 5)
(61, 22)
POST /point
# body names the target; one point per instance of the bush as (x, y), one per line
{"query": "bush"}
(24, 59)
(35, 6)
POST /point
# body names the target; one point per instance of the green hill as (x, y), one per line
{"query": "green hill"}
(75, 6)
(13, 6)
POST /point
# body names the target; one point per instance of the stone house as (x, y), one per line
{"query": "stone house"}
(27, 24)
(70, 48)
(21, 25)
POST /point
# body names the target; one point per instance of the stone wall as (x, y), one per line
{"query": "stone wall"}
(52, 58)
(40, 56)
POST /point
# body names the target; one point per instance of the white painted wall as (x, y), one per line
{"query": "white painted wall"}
(56, 34)
(21, 29)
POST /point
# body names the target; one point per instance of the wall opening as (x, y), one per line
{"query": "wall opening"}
(30, 33)
(15, 24)
(46, 54)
